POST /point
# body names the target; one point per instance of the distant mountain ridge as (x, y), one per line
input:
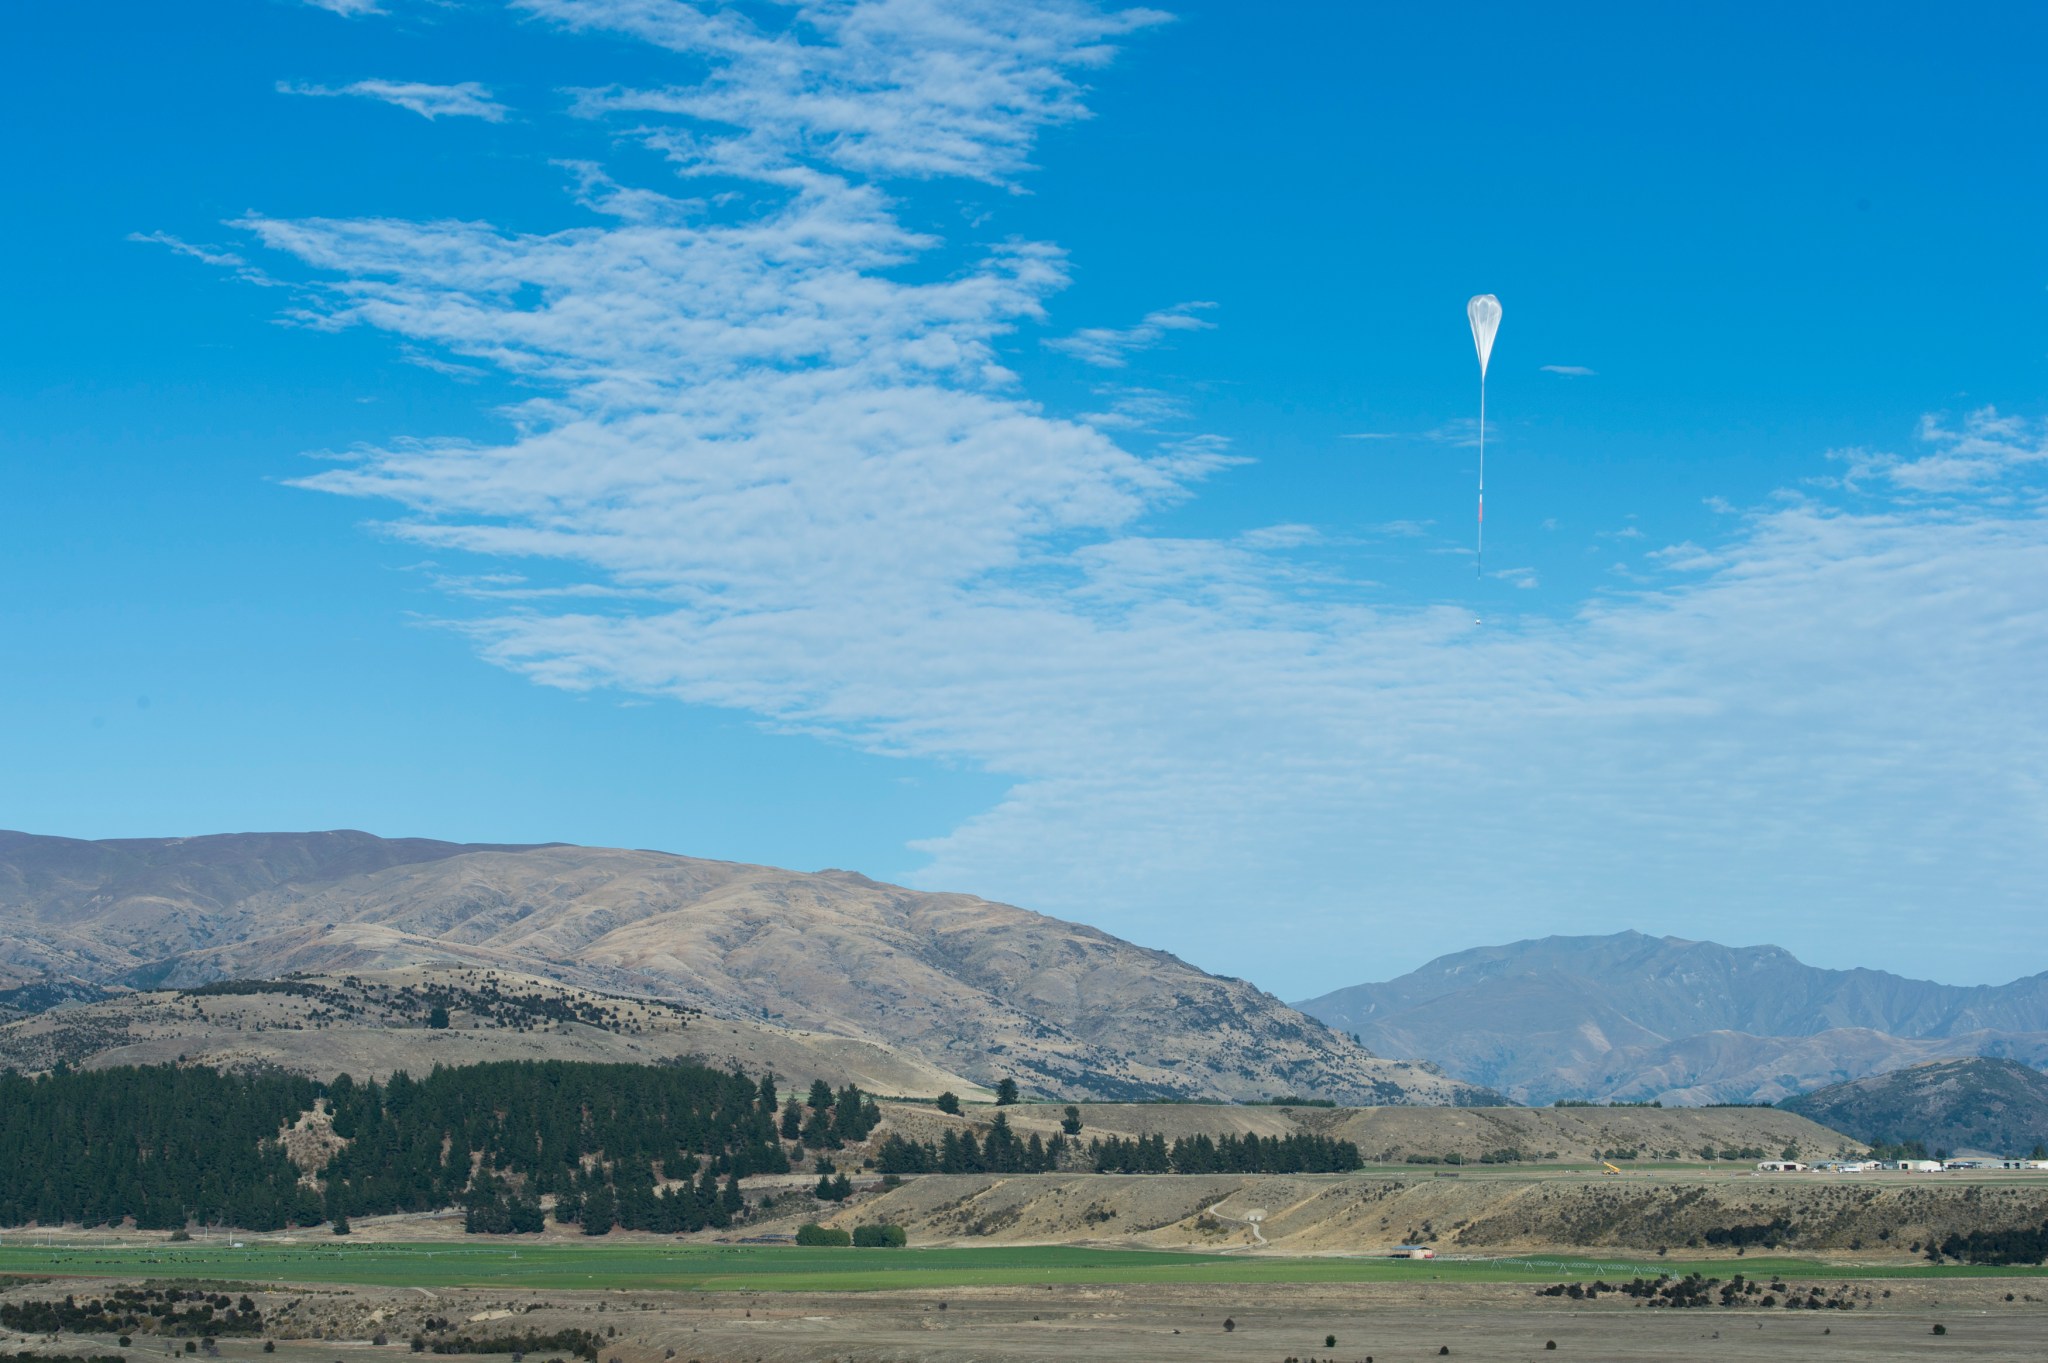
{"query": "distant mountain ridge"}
(1632, 1017)
(1998, 1107)
(955, 984)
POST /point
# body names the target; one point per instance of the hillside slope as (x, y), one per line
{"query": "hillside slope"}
(371, 1024)
(1630, 1017)
(1470, 1215)
(958, 984)
(1999, 1107)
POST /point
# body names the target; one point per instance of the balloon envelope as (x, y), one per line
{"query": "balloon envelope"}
(1484, 313)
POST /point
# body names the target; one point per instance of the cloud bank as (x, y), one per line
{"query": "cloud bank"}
(784, 473)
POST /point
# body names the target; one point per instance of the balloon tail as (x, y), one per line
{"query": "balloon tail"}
(1479, 558)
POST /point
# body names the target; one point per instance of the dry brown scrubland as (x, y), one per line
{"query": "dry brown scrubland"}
(1269, 1323)
(1472, 1208)
(1875, 1220)
(1391, 1134)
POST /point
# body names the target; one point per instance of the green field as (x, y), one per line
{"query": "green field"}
(779, 1268)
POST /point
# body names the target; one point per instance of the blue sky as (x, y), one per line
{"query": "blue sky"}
(1027, 450)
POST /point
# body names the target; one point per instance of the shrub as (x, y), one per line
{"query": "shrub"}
(1550, 1344)
(1938, 1330)
(1329, 1341)
(1229, 1324)
(810, 1233)
(949, 1103)
(880, 1237)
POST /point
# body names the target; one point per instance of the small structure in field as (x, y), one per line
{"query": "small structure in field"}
(1411, 1252)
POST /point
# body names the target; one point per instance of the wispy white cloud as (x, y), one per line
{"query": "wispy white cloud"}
(1575, 371)
(1135, 409)
(206, 255)
(1462, 430)
(349, 9)
(902, 88)
(1982, 451)
(466, 373)
(1111, 348)
(793, 478)
(599, 193)
(466, 99)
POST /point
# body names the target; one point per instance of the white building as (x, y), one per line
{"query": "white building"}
(1918, 1166)
(1780, 1166)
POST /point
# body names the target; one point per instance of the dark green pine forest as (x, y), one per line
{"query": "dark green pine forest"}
(647, 1147)
(171, 1146)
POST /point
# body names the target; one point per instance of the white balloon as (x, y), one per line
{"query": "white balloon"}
(1484, 313)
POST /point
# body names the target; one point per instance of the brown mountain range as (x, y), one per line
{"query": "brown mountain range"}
(956, 984)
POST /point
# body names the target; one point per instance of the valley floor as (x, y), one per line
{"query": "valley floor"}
(1984, 1318)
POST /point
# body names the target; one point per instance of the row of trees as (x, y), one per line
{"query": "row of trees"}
(128, 1309)
(629, 1198)
(2020, 1245)
(866, 1237)
(1000, 1152)
(1248, 1154)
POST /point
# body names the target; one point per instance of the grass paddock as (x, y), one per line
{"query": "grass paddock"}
(788, 1268)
